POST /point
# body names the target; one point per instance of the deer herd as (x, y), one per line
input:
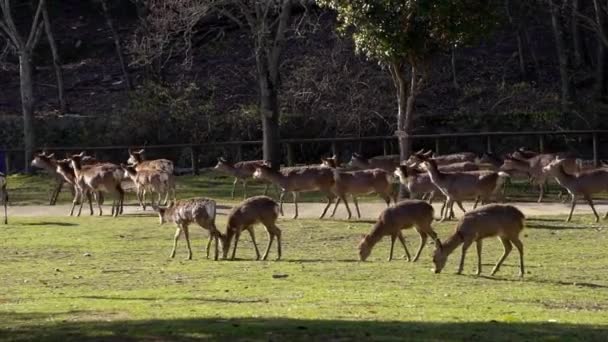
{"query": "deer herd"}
(457, 177)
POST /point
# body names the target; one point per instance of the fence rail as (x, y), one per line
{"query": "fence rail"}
(194, 149)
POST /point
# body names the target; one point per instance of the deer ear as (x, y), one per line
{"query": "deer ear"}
(140, 151)
(52, 155)
(82, 153)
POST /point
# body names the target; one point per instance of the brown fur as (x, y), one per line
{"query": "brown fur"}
(201, 211)
(403, 215)
(136, 158)
(386, 163)
(4, 196)
(150, 180)
(258, 209)
(504, 221)
(241, 171)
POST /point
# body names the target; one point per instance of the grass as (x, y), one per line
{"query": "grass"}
(98, 278)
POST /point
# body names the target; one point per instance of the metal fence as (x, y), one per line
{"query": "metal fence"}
(191, 157)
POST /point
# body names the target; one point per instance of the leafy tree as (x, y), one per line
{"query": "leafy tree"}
(404, 35)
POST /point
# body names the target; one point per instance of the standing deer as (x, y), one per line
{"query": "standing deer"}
(403, 215)
(584, 184)
(357, 183)
(201, 211)
(152, 181)
(65, 169)
(241, 171)
(386, 163)
(504, 221)
(299, 179)
(4, 196)
(416, 182)
(136, 158)
(47, 162)
(258, 209)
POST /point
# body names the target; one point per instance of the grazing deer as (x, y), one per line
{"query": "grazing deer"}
(150, 180)
(583, 184)
(386, 163)
(258, 209)
(299, 179)
(359, 182)
(99, 178)
(241, 171)
(458, 186)
(47, 162)
(504, 221)
(201, 211)
(4, 196)
(403, 215)
(136, 158)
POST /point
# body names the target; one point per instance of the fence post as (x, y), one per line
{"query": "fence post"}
(7, 161)
(541, 143)
(194, 158)
(289, 147)
(437, 146)
(239, 152)
(595, 157)
(489, 144)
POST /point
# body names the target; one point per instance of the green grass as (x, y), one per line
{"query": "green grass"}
(93, 278)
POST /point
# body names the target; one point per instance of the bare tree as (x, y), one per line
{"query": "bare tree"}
(24, 46)
(117, 43)
(63, 106)
(557, 25)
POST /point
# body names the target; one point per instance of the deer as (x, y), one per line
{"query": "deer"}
(241, 171)
(584, 184)
(448, 158)
(183, 213)
(359, 182)
(47, 162)
(258, 209)
(136, 158)
(403, 215)
(4, 196)
(458, 186)
(416, 182)
(64, 168)
(503, 221)
(299, 179)
(99, 178)
(150, 180)
(386, 163)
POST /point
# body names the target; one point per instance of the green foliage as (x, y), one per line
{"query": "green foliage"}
(397, 30)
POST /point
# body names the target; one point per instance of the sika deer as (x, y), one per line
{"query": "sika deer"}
(417, 182)
(136, 158)
(504, 221)
(201, 211)
(447, 158)
(4, 196)
(99, 178)
(359, 182)
(152, 181)
(67, 172)
(386, 163)
(299, 179)
(241, 171)
(585, 183)
(258, 209)
(392, 220)
(461, 185)
(47, 162)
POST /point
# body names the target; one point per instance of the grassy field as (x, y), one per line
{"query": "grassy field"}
(96, 278)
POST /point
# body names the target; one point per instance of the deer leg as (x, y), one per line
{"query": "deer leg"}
(478, 245)
(56, 191)
(178, 232)
(278, 233)
(541, 186)
(590, 201)
(74, 200)
(508, 247)
(572, 205)
(423, 238)
(407, 253)
(209, 243)
(476, 202)
(244, 188)
(343, 197)
(336, 207)
(442, 208)
(187, 236)
(5, 200)
(445, 213)
(520, 248)
(266, 189)
(216, 255)
(138, 193)
(236, 241)
(460, 206)
(269, 230)
(466, 244)
(255, 245)
(357, 205)
(431, 197)
(281, 196)
(329, 200)
(236, 180)
(390, 254)
(143, 198)
(295, 204)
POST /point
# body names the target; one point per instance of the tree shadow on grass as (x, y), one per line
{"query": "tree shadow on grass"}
(566, 226)
(49, 223)
(545, 281)
(285, 329)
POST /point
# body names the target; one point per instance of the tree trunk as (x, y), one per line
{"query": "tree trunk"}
(117, 44)
(269, 111)
(567, 91)
(63, 107)
(405, 114)
(576, 36)
(519, 37)
(454, 78)
(27, 106)
(601, 71)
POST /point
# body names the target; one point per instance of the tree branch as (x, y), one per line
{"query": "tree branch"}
(36, 27)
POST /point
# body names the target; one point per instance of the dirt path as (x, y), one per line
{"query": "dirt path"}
(313, 210)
